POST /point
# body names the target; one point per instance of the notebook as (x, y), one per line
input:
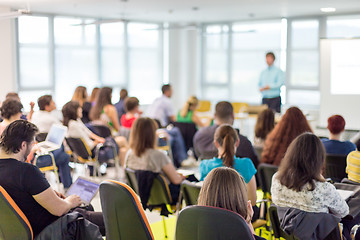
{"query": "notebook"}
(84, 188)
(54, 138)
(345, 194)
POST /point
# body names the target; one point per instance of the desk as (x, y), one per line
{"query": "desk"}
(354, 201)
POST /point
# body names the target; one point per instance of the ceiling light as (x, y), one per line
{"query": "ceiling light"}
(328, 9)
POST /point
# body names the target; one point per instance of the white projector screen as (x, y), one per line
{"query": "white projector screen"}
(340, 80)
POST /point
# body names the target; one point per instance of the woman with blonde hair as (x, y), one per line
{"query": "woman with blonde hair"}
(80, 95)
(225, 188)
(144, 156)
(188, 115)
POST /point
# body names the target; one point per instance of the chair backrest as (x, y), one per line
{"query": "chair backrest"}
(188, 131)
(159, 193)
(78, 146)
(204, 106)
(239, 106)
(100, 130)
(13, 222)
(275, 224)
(200, 223)
(123, 214)
(258, 151)
(131, 178)
(266, 172)
(190, 192)
(335, 167)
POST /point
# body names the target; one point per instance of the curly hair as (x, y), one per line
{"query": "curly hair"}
(10, 107)
(291, 125)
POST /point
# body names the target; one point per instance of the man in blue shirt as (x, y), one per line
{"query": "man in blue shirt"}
(271, 80)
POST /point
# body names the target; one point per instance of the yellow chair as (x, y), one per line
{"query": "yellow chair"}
(240, 107)
(51, 167)
(204, 106)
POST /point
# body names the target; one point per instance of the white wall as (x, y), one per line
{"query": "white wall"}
(183, 64)
(7, 55)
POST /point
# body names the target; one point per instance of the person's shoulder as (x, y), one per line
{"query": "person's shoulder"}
(243, 160)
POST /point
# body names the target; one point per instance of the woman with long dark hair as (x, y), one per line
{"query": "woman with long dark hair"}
(291, 125)
(264, 124)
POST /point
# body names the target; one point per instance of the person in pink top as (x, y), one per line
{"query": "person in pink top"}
(132, 112)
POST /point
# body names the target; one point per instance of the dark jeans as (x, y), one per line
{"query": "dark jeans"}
(273, 103)
(178, 148)
(62, 160)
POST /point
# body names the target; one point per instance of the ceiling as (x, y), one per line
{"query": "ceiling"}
(185, 10)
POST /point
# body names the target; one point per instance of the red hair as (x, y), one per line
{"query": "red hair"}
(336, 124)
(291, 125)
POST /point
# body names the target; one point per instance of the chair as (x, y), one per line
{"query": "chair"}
(188, 131)
(100, 130)
(348, 181)
(275, 224)
(190, 192)
(204, 106)
(335, 167)
(266, 172)
(13, 222)
(258, 151)
(123, 214)
(200, 223)
(239, 107)
(160, 197)
(46, 168)
(82, 152)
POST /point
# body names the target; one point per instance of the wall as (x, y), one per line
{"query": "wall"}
(7, 55)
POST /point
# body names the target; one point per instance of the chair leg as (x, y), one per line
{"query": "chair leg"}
(165, 231)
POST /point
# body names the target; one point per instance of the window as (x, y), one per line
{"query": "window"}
(343, 26)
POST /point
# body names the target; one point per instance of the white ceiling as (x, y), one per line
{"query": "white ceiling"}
(182, 10)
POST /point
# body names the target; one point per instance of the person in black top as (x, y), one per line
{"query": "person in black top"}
(25, 183)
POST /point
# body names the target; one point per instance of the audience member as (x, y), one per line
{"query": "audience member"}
(132, 112)
(93, 95)
(120, 108)
(225, 188)
(143, 155)
(161, 109)
(204, 138)
(291, 125)
(333, 145)
(103, 112)
(299, 182)
(10, 111)
(28, 187)
(188, 115)
(81, 96)
(264, 124)
(15, 96)
(43, 120)
(76, 129)
(353, 166)
(226, 141)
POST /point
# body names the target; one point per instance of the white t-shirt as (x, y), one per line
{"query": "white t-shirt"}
(44, 120)
(161, 109)
(324, 198)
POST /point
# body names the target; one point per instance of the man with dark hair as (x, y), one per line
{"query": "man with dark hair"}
(204, 137)
(162, 109)
(271, 80)
(25, 183)
(44, 119)
(120, 104)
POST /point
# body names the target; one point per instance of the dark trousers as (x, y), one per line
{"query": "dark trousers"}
(273, 103)
(96, 218)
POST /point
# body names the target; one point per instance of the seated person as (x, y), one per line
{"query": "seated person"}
(132, 112)
(72, 114)
(204, 138)
(188, 115)
(28, 187)
(226, 141)
(10, 111)
(15, 96)
(333, 145)
(225, 188)
(81, 96)
(44, 119)
(353, 166)
(264, 124)
(299, 182)
(120, 108)
(143, 155)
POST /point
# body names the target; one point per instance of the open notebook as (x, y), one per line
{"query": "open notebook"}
(345, 194)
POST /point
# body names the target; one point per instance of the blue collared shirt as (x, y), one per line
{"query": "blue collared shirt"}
(274, 77)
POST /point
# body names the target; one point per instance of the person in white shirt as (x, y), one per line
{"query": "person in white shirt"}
(44, 119)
